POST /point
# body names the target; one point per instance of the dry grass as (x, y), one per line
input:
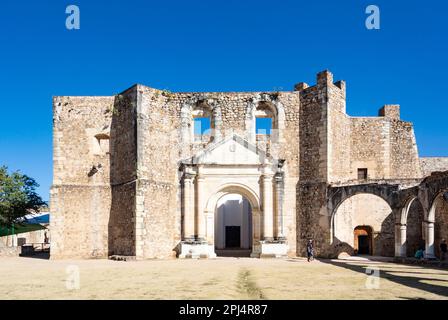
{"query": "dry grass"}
(222, 278)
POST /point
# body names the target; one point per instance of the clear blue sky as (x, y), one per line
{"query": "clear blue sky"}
(230, 45)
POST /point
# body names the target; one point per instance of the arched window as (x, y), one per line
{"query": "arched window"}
(202, 123)
(265, 119)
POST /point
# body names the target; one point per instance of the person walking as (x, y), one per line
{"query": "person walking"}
(310, 250)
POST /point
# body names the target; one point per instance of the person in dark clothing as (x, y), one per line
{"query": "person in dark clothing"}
(443, 250)
(310, 250)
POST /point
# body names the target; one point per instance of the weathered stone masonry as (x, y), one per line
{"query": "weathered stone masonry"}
(132, 179)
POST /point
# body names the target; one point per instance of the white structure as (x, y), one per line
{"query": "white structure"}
(232, 166)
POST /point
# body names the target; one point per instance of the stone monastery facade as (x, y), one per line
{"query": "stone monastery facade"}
(134, 177)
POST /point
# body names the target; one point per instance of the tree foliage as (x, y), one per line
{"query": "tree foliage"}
(18, 197)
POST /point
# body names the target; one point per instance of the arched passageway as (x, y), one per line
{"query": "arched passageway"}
(439, 215)
(233, 226)
(364, 217)
(414, 227)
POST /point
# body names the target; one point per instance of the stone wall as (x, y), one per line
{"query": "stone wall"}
(161, 150)
(313, 134)
(123, 155)
(117, 184)
(121, 231)
(391, 111)
(433, 164)
(404, 161)
(80, 195)
(10, 251)
(386, 147)
(370, 147)
(339, 135)
(312, 219)
(79, 221)
(161, 224)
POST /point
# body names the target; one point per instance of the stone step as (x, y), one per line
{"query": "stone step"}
(233, 252)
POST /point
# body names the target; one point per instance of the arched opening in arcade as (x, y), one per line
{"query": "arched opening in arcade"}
(364, 224)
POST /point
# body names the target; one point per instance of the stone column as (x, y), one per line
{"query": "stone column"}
(200, 215)
(189, 213)
(256, 217)
(400, 240)
(268, 212)
(185, 131)
(429, 247)
(218, 121)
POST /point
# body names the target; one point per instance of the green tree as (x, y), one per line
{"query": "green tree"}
(18, 197)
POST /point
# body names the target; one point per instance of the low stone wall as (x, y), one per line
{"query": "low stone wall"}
(433, 164)
(10, 251)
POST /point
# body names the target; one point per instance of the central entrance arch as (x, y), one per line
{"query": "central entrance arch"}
(232, 165)
(236, 221)
(233, 226)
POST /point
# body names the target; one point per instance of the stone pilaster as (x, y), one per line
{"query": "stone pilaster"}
(400, 240)
(279, 219)
(200, 215)
(268, 212)
(189, 213)
(429, 247)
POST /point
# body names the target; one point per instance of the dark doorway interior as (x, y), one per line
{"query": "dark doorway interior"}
(363, 244)
(233, 236)
(363, 240)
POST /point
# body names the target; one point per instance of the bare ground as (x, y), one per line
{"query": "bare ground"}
(222, 278)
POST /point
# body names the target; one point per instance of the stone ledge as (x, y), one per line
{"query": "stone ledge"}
(196, 250)
(270, 250)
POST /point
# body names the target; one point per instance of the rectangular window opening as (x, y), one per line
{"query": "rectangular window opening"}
(362, 173)
(201, 127)
(263, 126)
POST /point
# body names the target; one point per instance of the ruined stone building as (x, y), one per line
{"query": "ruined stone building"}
(154, 174)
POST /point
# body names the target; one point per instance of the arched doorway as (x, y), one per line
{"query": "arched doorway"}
(233, 226)
(439, 215)
(350, 219)
(241, 205)
(414, 227)
(363, 240)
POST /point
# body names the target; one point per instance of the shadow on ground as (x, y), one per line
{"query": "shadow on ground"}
(37, 255)
(411, 281)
